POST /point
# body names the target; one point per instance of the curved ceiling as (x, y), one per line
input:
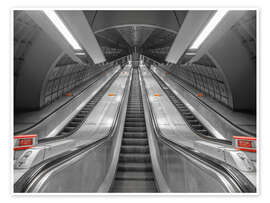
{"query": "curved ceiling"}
(148, 40)
(122, 32)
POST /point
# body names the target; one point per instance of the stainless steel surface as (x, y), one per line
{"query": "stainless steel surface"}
(214, 122)
(183, 173)
(83, 173)
(96, 127)
(168, 118)
(174, 128)
(55, 122)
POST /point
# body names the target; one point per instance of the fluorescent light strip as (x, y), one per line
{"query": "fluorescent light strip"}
(190, 54)
(208, 28)
(80, 53)
(62, 29)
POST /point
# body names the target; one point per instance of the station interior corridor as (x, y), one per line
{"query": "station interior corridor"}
(127, 101)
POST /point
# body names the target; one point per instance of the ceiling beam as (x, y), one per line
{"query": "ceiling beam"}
(77, 23)
(190, 29)
(47, 26)
(220, 30)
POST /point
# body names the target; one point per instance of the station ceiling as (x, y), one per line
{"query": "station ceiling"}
(149, 32)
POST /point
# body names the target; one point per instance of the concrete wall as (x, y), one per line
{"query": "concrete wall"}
(238, 68)
(37, 62)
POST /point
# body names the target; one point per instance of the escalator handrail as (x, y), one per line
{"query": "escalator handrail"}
(225, 169)
(94, 78)
(29, 178)
(208, 107)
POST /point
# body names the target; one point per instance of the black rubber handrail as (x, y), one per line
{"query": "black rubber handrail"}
(23, 183)
(95, 79)
(225, 169)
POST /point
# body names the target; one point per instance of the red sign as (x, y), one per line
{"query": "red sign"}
(24, 141)
(245, 143)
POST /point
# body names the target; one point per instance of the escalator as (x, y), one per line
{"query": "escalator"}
(85, 169)
(192, 121)
(76, 122)
(134, 172)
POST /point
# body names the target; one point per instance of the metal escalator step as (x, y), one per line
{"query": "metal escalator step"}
(198, 127)
(135, 175)
(190, 117)
(134, 141)
(130, 186)
(62, 133)
(87, 108)
(187, 114)
(134, 166)
(77, 120)
(205, 132)
(184, 110)
(73, 124)
(135, 112)
(135, 149)
(68, 129)
(134, 158)
(80, 115)
(135, 109)
(135, 129)
(83, 111)
(135, 119)
(194, 122)
(135, 115)
(137, 123)
(135, 135)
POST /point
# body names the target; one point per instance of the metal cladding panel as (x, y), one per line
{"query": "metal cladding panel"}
(80, 28)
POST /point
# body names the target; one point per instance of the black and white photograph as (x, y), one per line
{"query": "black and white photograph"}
(135, 101)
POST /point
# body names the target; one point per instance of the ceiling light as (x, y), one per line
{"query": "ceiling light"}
(80, 53)
(190, 53)
(62, 29)
(208, 28)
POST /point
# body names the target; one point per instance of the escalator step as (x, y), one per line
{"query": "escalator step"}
(137, 123)
(135, 135)
(194, 122)
(77, 120)
(205, 132)
(130, 186)
(134, 149)
(73, 124)
(135, 115)
(137, 158)
(140, 175)
(134, 141)
(134, 167)
(198, 127)
(135, 119)
(135, 129)
(68, 129)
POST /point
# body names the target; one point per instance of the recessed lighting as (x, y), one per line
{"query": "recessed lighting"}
(62, 29)
(208, 28)
(80, 53)
(190, 53)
